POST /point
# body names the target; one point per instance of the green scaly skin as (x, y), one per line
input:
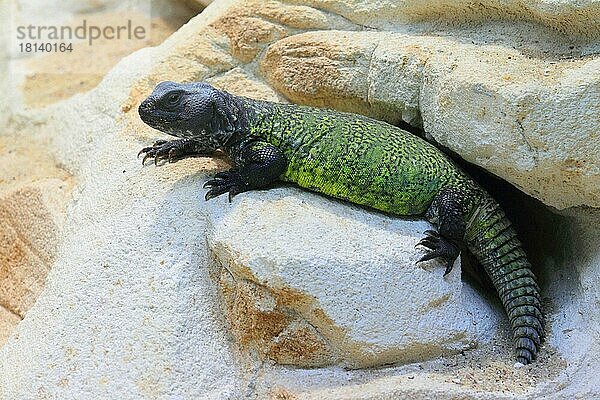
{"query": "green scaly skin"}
(357, 159)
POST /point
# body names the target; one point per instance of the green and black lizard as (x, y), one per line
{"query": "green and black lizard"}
(354, 158)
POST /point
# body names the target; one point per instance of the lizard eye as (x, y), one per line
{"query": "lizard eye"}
(172, 99)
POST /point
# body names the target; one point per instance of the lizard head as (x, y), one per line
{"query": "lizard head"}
(191, 110)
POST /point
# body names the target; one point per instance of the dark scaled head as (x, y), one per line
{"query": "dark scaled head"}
(190, 110)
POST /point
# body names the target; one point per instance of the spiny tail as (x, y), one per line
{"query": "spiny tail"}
(492, 239)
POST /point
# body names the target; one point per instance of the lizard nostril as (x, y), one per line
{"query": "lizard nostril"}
(144, 108)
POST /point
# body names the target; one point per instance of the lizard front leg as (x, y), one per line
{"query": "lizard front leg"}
(257, 165)
(174, 150)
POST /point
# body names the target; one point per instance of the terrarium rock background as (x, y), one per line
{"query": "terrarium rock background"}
(153, 293)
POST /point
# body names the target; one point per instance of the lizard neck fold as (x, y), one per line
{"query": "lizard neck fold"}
(229, 119)
(251, 117)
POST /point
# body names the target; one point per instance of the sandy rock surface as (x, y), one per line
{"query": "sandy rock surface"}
(155, 294)
(42, 78)
(34, 193)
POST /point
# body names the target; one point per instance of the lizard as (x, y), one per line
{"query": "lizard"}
(357, 159)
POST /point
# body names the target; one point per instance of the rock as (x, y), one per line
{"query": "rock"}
(33, 197)
(4, 66)
(304, 288)
(48, 77)
(31, 225)
(113, 321)
(8, 322)
(573, 19)
(441, 84)
(198, 4)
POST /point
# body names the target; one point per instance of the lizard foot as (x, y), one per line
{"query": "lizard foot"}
(164, 149)
(438, 246)
(227, 181)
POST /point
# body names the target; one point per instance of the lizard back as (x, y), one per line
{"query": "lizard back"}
(355, 158)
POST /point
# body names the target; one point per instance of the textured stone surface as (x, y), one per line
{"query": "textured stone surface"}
(531, 121)
(8, 322)
(128, 309)
(303, 285)
(33, 196)
(43, 78)
(576, 19)
(28, 241)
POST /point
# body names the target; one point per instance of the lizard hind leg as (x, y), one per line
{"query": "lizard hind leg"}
(446, 212)
(438, 246)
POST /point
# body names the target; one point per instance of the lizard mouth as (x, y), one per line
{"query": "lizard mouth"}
(153, 120)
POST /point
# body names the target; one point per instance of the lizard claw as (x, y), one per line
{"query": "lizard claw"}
(431, 232)
(148, 149)
(163, 149)
(227, 181)
(438, 246)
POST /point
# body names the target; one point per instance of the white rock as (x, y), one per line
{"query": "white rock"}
(576, 19)
(491, 104)
(346, 275)
(128, 310)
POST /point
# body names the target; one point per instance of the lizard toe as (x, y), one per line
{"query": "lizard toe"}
(437, 246)
(170, 151)
(223, 182)
(428, 242)
(431, 232)
(216, 191)
(213, 183)
(148, 155)
(144, 150)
